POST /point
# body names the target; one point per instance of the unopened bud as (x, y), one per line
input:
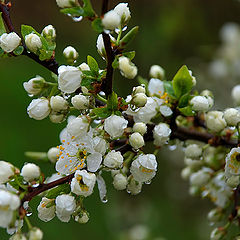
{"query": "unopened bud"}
(139, 100)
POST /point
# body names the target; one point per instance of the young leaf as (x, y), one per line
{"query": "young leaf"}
(183, 101)
(102, 112)
(187, 111)
(182, 82)
(115, 63)
(88, 9)
(2, 27)
(97, 25)
(129, 37)
(75, 11)
(92, 63)
(61, 189)
(112, 102)
(130, 55)
(18, 50)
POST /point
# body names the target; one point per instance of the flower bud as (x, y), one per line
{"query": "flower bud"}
(140, 128)
(157, 72)
(186, 173)
(66, 3)
(35, 234)
(127, 68)
(18, 236)
(139, 89)
(30, 171)
(133, 186)
(232, 116)
(33, 42)
(215, 121)
(120, 181)
(123, 11)
(49, 32)
(115, 125)
(113, 159)
(9, 41)
(58, 103)
(233, 181)
(83, 217)
(215, 215)
(136, 140)
(78, 127)
(236, 94)
(193, 151)
(34, 86)
(52, 154)
(139, 100)
(84, 67)
(56, 117)
(80, 102)
(38, 108)
(6, 171)
(200, 103)
(70, 53)
(111, 20)
(217, 234)
(161, 133)
(100, 46)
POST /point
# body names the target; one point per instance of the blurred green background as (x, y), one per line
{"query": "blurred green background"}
(172, 33)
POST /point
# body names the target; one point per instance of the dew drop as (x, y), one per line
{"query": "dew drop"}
(124, 29)
(172, 147)
(148, 182)
(107, 31)
(77, 19)
(35, 185)
(104, 199)
(97, 121)
(30, 95)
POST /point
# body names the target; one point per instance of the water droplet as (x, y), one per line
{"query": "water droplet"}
(107, 31)
(28, 214)
(148, 182)
(102, 93)
(117, 30)
(77, 19)
(104, 199)
(35, 185)
(97, 121)
(172, 147)
(129, 192)
(30, 95)
(29, 211)
(124, 29)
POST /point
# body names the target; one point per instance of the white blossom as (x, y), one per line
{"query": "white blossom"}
(215, 121)
(56, 117)
(33, 42)
(193, 151)
(134, 187)
(232, 166)
(69, 79)
(144, 167)
(161, 134)
(83, 183)
(9, 202)
(111, 20)
(65, 206)
(30, 171)
(120, 181)
(236, 94)
(39, 108)
(52, 154)
(6, 171)
(49, 32)
(115, 125)
(78, 127)
(201, 177)
(66, 3)
(165, 110)
(80, 102)
(127, 68)
(9, 41)
(84, 67)
(58, 103)
(34, 86)
(157, 72)
(186, 173)
(200, 103)
(136, 140)
(123, 11)
(100, 145)
(232, 116)
(100, 46)
(140, 128)
(113, 159)
(46, 213)
(35, 234)
(70, 53)
(155, 87)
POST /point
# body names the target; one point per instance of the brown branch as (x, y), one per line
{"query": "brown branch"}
(51, 64)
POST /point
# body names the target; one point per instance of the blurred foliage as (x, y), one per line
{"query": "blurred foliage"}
(172, 33)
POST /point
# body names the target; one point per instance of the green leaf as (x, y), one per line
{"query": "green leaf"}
(125, 41)
(182, 82)
(92, 63)
(2, 27)
(187, 111)
(183, 101)
(143, 81)
(168, 87)
(97, 25)
(45, 55)
(130, 55)
(1, 52)
(102, 112)
(87, 82)
(88, 9)
(115, 63)
(75, 11)
(112, 103)
(61, 189)
(18, 50)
